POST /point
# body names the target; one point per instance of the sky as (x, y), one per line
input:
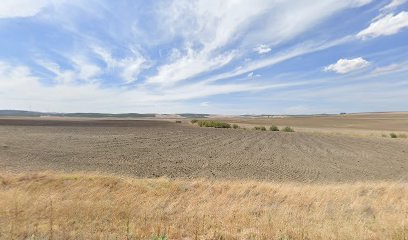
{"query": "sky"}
(204, 56)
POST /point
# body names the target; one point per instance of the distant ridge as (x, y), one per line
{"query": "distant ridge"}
(91, 115)
(23, 113)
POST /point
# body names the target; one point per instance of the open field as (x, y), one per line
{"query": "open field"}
(145, 148)
(363, 124)
(73, 178)
(78, 206)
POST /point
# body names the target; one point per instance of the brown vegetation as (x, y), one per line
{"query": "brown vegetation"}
(77, 206)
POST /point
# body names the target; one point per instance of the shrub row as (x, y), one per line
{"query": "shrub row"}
(274, 129)
(262, 128)
(211, 123)
(218, 124)
(394, 135)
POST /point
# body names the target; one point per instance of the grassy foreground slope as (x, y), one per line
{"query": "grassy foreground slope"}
(84, 206)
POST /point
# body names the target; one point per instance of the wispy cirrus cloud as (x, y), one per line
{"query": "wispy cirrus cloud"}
(392, 5)
(262, 49)
(141, 55)
(387, 25)
(21, 8)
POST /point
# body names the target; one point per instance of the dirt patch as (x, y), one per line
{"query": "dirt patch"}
(146, 148)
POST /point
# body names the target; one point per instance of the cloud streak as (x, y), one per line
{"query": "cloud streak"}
(385, 26)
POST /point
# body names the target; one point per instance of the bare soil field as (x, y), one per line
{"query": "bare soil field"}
(364, 124)
(147, 148)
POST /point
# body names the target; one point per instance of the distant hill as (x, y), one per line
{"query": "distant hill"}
(193, 115)
(92, 115)
(19, 113)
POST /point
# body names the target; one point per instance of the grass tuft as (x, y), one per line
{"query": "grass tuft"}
(274, 128)
(161, 237)
(235, 126)
(393, 135)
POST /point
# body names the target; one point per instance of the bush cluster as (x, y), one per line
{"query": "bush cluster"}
(288, 129)
(211, 123)
(394, 135)
(261, 128)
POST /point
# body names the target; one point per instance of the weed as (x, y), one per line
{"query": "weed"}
(274, 128)
(161, 237)
(393, 135)
(178, 121)
(235, 126)
(260, 128)
(194, 121)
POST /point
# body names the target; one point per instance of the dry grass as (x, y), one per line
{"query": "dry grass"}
(84, 206)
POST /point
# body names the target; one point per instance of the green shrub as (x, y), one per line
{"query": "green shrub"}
(214, 124)
(274, 128)
(288, 129)
(235, 126)
(194, 121)
(261, 128)
(393, 135)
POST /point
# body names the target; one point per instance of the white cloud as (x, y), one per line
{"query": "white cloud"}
(189, 66)
(262, 48)
(251, 75)
(208, 28)
(19, 88)
(393, 4)
(343, 66)
(386, 25)
(85, 70)
(61, 76)
(82, 69)
(278, 58)
(205, 104)
(21, 8)
(129, 67)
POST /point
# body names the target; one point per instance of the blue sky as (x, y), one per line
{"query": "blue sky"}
(203, 56)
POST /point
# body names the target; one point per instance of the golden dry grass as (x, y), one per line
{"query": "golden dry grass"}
(85, 206)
